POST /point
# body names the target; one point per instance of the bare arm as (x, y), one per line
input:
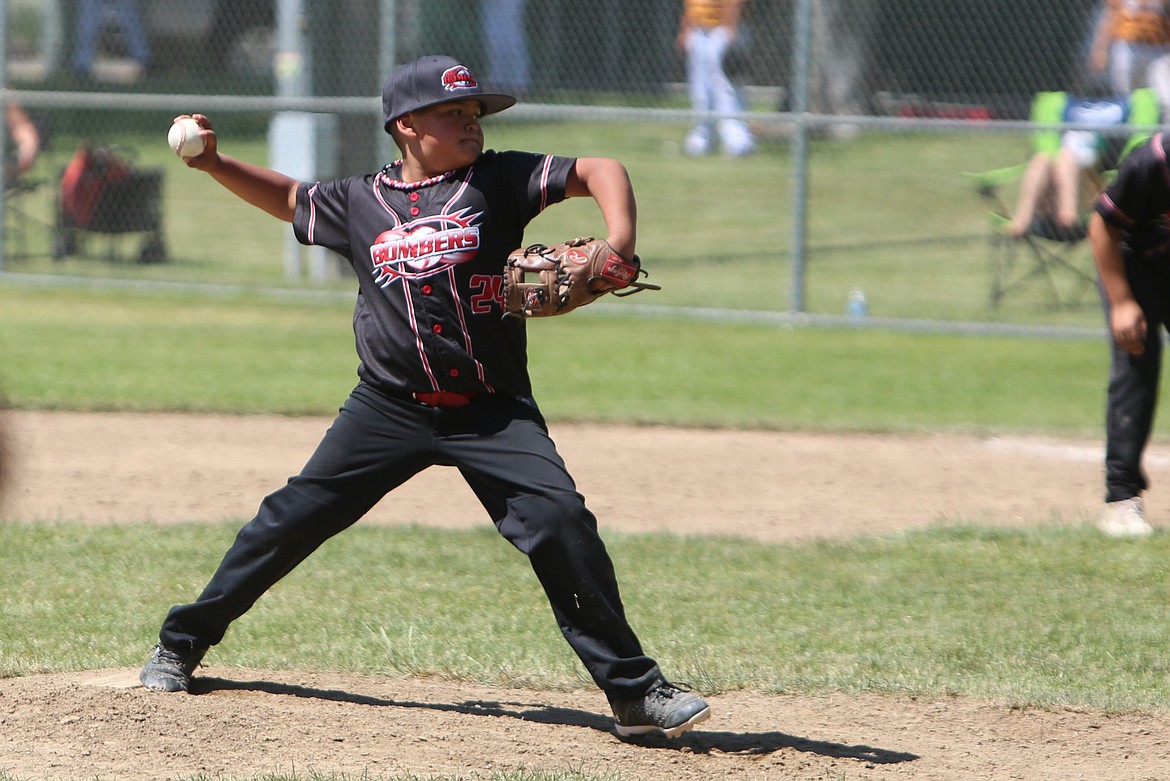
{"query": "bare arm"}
(25, 137)
(264, 188)
(732, 12)
(608, 183)
(685, 23)
(1102, 37)
(1127, 322)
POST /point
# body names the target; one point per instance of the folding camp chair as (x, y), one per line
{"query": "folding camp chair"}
(1051, 254)
(27, 224)
(21, 215)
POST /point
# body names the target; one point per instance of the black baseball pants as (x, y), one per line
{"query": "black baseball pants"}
(502, 448)
(1133, 383)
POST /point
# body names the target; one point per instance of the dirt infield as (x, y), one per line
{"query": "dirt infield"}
(128, 468)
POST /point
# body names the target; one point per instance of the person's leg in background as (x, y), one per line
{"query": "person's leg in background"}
(734, 133)
(86, 30)
(699, 85)
(505, 37)
(1131, 404)
(131, 22)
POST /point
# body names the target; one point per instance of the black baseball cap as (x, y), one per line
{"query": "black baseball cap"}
(431, 80)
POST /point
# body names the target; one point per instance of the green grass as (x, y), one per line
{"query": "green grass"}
(115, 351)
(893, 213)
(102, 350)
(1047, 616)
(962, 611)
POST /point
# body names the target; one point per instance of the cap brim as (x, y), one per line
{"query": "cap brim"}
(492, 102)
(495, 102)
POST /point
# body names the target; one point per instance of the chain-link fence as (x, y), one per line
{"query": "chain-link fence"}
(884, 135)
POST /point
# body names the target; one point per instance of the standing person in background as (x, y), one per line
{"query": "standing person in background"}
(1130, 236)
(1131, 36)
(708, 29)
(506, 38)
(88, 30)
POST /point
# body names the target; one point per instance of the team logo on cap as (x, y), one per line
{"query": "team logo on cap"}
(457, 78)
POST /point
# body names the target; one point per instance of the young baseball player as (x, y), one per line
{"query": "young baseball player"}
(1130, 235)
(442, 377)
(708, 31)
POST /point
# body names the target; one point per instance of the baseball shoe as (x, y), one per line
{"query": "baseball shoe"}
(667, 710)
(696, 144)
(169, 669)
(1125, 518)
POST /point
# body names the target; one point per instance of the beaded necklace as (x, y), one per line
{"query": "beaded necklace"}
(398, 184)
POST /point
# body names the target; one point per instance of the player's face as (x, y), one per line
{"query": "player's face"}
(449, 134)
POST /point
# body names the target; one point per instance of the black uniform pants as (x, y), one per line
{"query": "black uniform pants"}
(1133, 383)
(502, 448)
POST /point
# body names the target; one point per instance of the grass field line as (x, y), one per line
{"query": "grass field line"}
(1064, 452)
(1044, 450)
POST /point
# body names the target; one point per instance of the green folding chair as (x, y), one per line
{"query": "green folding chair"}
(1050, 254)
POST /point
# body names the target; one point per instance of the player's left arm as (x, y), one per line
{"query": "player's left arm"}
(608, 182)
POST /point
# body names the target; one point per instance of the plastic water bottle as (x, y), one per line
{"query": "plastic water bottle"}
(857, 307)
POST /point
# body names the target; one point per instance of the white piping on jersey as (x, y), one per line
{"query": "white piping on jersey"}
(312, 213)
(404, 291)
(544, 173)
(385, 205)
(462, 189)
(479, 370)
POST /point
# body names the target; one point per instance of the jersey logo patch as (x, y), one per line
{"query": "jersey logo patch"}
(424, 247)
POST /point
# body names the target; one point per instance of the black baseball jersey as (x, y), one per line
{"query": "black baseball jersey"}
(1138, 201)
(429, 258)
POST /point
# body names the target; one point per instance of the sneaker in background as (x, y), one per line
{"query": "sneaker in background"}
(1125, 518)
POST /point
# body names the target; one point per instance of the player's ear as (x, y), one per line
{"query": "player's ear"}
(405, 124)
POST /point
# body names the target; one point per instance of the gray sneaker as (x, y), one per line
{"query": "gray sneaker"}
(169, 669)
(667, 709)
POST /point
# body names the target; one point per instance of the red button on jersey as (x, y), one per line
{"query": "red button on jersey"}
(413, 211)
(426, 290)
(454, 372)
(437, 328)
(414, 196)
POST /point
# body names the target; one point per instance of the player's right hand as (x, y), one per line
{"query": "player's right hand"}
(205, 160)
(1128, 325)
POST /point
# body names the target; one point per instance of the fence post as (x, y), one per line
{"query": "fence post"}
(387, 60)
(293, 74)
(799, 107)
(4, 135)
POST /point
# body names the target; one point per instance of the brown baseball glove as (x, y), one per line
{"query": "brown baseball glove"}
(568, 276)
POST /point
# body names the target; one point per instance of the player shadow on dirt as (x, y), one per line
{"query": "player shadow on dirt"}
(698, 741)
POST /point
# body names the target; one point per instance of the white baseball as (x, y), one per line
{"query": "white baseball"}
(184, 138)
